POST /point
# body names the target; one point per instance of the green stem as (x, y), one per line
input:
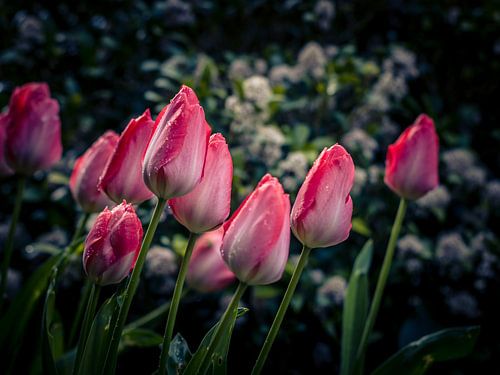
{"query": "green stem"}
(128, 294)
(86, 324)
(9, 244)
(222, 327)
(79, 312)
(382, 279)
(278, 319)
(176, 298)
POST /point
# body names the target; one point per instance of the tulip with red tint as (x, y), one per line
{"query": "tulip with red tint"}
(87, 171)
(321, 214)
(207, 271)
(5, 170)
(174, 159)
(122, 178)
(33, 129)
(411, 167)
(257, 236)
(208, 204)
(112, 245)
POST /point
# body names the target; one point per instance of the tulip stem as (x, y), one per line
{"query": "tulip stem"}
(382, 279)
(9, 244)
(87, 288)
(222, 327)
(174, 306)
(88, 284)
(128, 294)
(86, 324)
(278, 319)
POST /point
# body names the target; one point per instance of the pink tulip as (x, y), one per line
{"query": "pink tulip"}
(33, 129)
(207, 271)
(174, 159)
(411, 167)
(321, 214)
(5, 170)
(208, 204)
(87, 171)
(257, 236)
(122, 177)
(112, 245)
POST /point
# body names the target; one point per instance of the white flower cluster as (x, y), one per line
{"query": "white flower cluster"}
(311, 62)
(359, 142)
(463, 303)
(324, 10)
(250, 116)
(452, 255)
(292, 170)
(333, 290)
(463, 164)
(266, 144)
(392, 85)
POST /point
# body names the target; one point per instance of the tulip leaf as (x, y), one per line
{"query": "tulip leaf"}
(418, 356)
(140, 337)
(178, 355)
(52, 330)
(219, 358)
(355, 309)
(359, 226)
(65, 363)
(99, 337)
(13, 324)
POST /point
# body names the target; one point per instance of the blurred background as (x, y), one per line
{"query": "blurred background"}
(281, 80)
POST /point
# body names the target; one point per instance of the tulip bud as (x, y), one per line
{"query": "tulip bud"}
(207, 271)
(5, 170)
(33, 129)
(257, 236)
(321, 214)
(174, 159)
(87, 171)
(208, 204)
(112, 245)
(411, 167)
(122, 177)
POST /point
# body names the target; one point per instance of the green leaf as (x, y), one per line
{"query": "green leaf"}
(355, 309)
(418, 356)
(360, 226)
(100, 334)
(140, 337)
(52, 330)
(178, 355)
(13, 323)
(65, 363)
(219, 366)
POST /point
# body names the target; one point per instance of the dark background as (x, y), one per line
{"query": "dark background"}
(97, 59)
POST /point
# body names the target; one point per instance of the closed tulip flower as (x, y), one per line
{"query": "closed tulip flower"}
(321, 214)
(208, 204)
(257, 236)
(112, 245)
(207, 271)
(122, 177)
(33, 129)
(87, 171)
(411, 168)
(5, 170)
(174, 159)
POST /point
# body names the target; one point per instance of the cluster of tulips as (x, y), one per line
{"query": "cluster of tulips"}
(178, 160)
